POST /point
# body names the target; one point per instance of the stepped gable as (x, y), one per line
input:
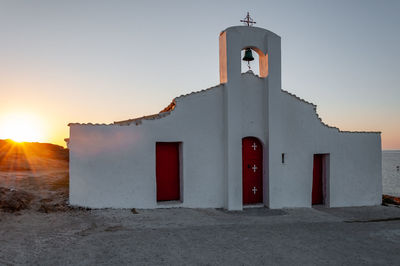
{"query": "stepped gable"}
(320, 119)
(163, 113)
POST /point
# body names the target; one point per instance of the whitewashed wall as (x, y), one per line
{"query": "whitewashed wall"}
(354, 178)
(114, 165)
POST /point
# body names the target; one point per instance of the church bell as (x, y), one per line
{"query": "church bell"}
(248, 55)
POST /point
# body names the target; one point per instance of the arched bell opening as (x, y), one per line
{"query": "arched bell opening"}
(255, 60)
(249, 59)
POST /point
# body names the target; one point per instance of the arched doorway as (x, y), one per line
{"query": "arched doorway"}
(252, 168)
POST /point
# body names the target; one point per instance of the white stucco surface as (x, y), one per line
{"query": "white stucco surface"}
(114, 165)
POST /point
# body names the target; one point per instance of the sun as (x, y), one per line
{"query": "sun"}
(21, 127)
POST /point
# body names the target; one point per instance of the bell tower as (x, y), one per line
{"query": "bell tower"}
(237, 87)
(234, 39)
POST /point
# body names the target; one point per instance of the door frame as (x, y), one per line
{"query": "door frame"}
(180, 171)
(263, 181)
(325, 164)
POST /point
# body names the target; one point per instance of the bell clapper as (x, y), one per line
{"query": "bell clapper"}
(248, 56)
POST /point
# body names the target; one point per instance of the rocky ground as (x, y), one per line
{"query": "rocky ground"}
(33, 176)
(42, 191)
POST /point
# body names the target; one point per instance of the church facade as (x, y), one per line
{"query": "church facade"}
(244, 142)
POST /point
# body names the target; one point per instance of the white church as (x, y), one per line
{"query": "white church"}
(243, 143)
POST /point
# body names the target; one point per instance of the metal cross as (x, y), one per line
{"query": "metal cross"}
(254, 190)
(254, 146)
(254, 168)
(248, 20)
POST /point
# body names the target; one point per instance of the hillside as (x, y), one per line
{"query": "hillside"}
(30, 155)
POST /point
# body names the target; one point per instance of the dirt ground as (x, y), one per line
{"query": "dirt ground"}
(41, 190)
(342, 236)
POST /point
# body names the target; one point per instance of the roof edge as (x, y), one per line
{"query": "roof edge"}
(320, 119)
(240, 27)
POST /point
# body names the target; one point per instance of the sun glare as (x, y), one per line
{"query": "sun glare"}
(21, 128)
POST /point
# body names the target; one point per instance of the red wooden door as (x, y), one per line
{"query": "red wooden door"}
(317, 190)
(252, 167)
(167, 171)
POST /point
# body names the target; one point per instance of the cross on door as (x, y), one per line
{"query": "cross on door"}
(254, 168)
(254, 190)
(254, 146)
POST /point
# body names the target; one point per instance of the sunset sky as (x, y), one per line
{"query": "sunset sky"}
(104, 61)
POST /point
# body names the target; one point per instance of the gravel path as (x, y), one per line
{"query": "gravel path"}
(350, 236)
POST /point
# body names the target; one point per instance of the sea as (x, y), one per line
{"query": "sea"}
(391, 172)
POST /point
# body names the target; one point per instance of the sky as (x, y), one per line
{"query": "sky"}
(104, 61)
